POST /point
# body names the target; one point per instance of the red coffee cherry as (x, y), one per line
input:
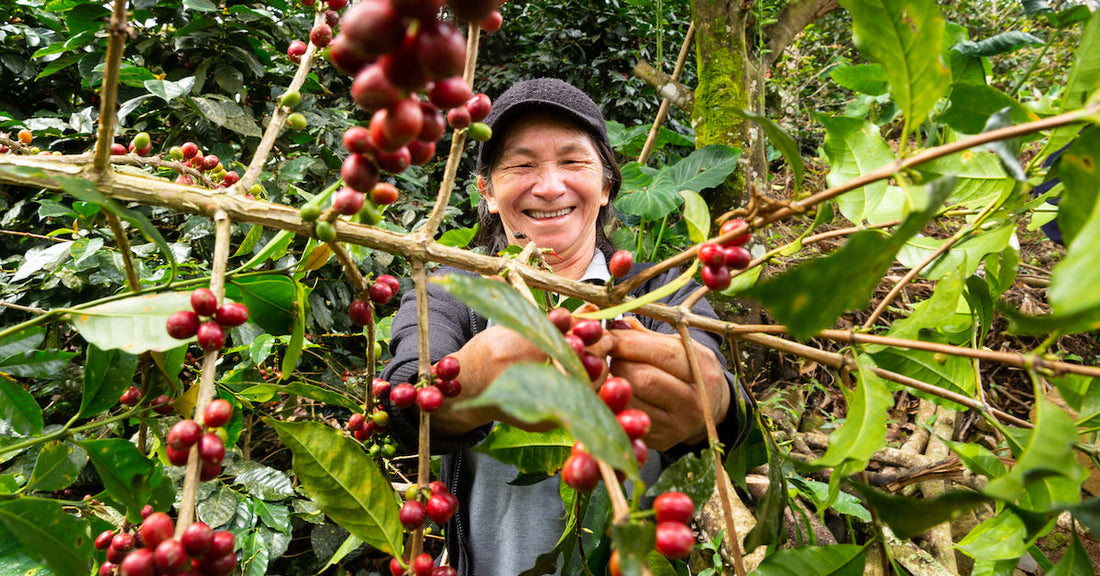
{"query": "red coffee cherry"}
(403, 395)
(440, 508)
(384, 194)
(371, 90)
(581, 472)
(479, 107)
(138, 563)
(348, 202)
(447, 368)
(396, 569)
(359, 311)
(222, 544)
(394, 162)
(420, 152)
(434, 123)
(674, 540)
(155, 529)
(211, 336)
(737, 257)
(184, 435)
(372, 27)
(117, 149)
(211, 448)
(197, 539)
(429, 398)
(380, 388)
(380, 293)
(296, 50)
(440, 49)
(392, 282)
(321, 35)
(616, 393)
(444, 571)
(730, 226)
(674, 507)
(183, 324)
(589, 331)
(641, 451)
(359, 172)
(162, 404)
(170, 557)
(716, 279)
(423, 564)
(131, 396)
(458, 117)
(189, 150)
(103, 541)
(412, 515)
(357, 140)
(177, 457)
(621, 263)
(634, 422)
(231, 314)
(561, 318)
(711, 254)
(593, 365)
(449, 388)
(203, 302)
(492, 22)
(356, 421)
(575, 343)
(217, 413)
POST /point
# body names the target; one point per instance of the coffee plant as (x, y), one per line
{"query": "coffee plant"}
(261, 180)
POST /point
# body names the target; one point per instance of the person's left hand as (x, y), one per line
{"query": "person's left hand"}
(657, 367)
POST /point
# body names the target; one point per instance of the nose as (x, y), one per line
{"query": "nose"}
(550, 182)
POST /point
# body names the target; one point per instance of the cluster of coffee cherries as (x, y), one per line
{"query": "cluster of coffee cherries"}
(190, 154)
(579, 335)
(152, 551)
(132, 396)
(673, 511)
(718, 259)
(24, 137)
(381, 291)
(140, 145)
(188, 433)
(581, 472)
(436, 503)
(374, 428)
(429, 396)
(211, 332)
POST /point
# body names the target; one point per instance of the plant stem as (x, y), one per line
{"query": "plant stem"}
(117, 30)
(662, 112)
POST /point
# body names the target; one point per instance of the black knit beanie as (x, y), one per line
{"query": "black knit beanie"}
(541, 93)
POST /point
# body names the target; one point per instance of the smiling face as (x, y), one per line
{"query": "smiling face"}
(548, 186)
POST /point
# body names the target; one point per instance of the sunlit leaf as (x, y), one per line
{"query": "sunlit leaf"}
(855, 148)
(48, 534)
(529, 452)
(696, 215)
(1049, 452)
(57, 466)
(1001, 537)
(836, 560)
(134, 325)
(863, 78)
(704, 168)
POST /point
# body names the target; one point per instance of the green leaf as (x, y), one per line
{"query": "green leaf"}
(18, 408)
(973, 104)
(704, 168)
(264, 482)
(504, 306)
(1075, 561)
(855, 148)
(458, 237)
(812, 295)
(647, 298)
(909, 517)
(49, 534)
(769, 512)
(57, 466)
(1088, 514)
(837, 560)
(1048, 452)
(124, 471)
(904, 36)
(977, 458)
(694, 476)
(955, 373)
(169, 90)
(819, 494)
(969, 251)
(1002, 537)
(696, 215)
(781, 141)
(22, 341)
(14, 561)
(298, 334)
(1002, 43)
(134, 325)
(536, 393)
(344, 481)
(634, 541)
(1084, 80)
(201, 5)
(867, 79)
(1074, 279)
(264, 392)
(107, 374)
(36, 363)
(529, 452)
(271, 301)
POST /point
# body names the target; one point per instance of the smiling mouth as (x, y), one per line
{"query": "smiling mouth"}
(538, 215)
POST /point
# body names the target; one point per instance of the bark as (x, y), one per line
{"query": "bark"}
(792, 20)
(681, 96)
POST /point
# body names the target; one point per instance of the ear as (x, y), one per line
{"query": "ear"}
(605, 197)
(486, 192)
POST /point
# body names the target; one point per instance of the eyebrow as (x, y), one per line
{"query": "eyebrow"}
(569, 148)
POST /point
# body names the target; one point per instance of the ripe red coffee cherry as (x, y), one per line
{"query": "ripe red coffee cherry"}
(641, 451)
(321, 35)
(447, 368)
(616, 393)
(25, 136)
(222, 544)
(613, 564)
(372, 27)
(211, 448)
(162, 404)
(107, 568)
(581, 472)
(621, 263)
(189, 150)
(359, 312)
(711, 254)
(737, 257)
(348, 202)
(423, 564)
(184, 180)
(384, 194)
(231, 178)
(363, 434)
(345, 57)
(231, 314)
(402, 67)
(337, 4)
(575, 343)
(197, 539)
(146, 511)
(444, 571)
(674, 540)
(332, 17)
(716, 279)
(217, 413)
(412, 515)
(730, 226)
(479, 107)
(296, 50)
(103, 541)
(372, 91)
(674, 507)
(203, 302)
(429, 398)
(138, 563)
(420, 152)
(589, 331)
(403, 395)
(440, 49)
(210, 162)
(396, 569)
(380, 293)
(359, 172)
(177, 457)
(440, 509)
(380, 388)
(117, 149)
(493, 22)
(395, 162)
(403, 122)
(450, 92)
(184, 435)
(131, 396)
(434, 123)
(449, 388)
(391, 281)
(459, 118)
(593, 365)
(357, 140)
(634, 422)
(170, 557)
(155, 529)
(217, 565)
(561, 318)
(211, 336)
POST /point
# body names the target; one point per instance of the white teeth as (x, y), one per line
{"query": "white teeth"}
(554, 214)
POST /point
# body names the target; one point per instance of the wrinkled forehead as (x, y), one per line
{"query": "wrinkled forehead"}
(529, 135)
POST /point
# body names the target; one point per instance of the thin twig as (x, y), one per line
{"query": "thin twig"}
(662, 112)
(118, 30)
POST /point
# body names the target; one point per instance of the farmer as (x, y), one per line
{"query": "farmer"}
(549, 176)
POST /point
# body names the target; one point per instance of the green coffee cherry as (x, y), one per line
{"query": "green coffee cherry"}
(296, 121)
(141, 140)
(310, 212)
(369, 214)
(291, 99)
(326, 231)
(176, 153)
(480, 131)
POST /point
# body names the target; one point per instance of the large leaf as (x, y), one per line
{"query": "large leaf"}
(263, 482)
(694, 476)
(504, 306)
(344, 481)
(904, 36)
(837, 560)
(704, 168)
(1075, 561)
(1002, 43)
(536, 393)
(973, 104)
(264, 392)
(854, 148)
(107, 374)
(529, 452)
(1084, 80)
(134, 325)
(57, 466)
(124, 471)
(36, 363)
(22, 341)
(1076, 167)
(909, 517)
(271, 301)
(18, 408)
(969, 251)
(863, 78)
(769, 512)
(1074, 280)
(48, 534)
(814, 294)
(1001, 537)
(1048, 453)
(696, 216)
